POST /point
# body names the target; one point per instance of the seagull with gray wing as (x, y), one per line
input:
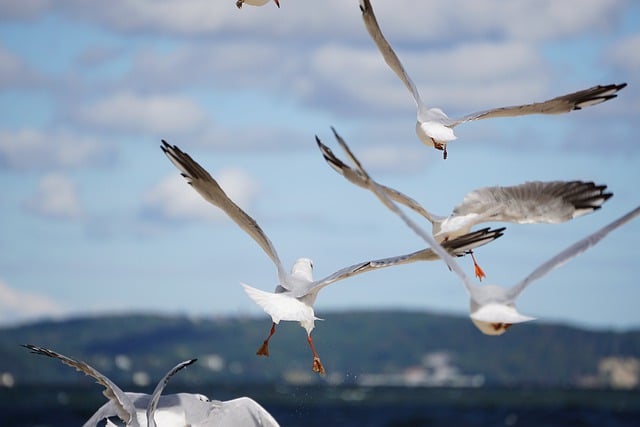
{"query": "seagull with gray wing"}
(550, 202)
(435, 128)
(492, 307)
(172, 410)
(296, 292)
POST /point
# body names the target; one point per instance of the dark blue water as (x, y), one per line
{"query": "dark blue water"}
(357, 406)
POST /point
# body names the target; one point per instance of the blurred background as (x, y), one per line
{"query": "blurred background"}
(97, 224)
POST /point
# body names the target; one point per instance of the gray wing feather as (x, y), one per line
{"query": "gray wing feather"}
(390, 57)
(427, 237)
(157, 392)
(456, 247)
(571, 252)
(359, 180)
(534, 202)
(123, 405)
(561, 104)
(209, 189)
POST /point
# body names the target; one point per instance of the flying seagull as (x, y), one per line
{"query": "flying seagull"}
(550, 202)
(296, 292)
(492, 307)
(435, 128)
(122, 404)
(181, 409)
(240, 3)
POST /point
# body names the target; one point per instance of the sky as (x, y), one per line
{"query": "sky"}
(95, 219)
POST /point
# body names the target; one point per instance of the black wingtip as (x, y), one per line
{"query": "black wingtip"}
(32, 348)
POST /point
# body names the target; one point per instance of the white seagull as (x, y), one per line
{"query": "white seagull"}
(296, 293)
(492, 307)
(240, 3)
(173, 410)
(435, 128)
(121, 403)
(550, 202)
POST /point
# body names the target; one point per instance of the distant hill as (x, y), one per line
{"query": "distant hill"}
(370, 348)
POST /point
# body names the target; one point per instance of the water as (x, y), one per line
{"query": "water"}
(357, 406)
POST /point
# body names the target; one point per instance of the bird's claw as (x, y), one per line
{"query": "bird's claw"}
(264, 349)
(479, 272)
(317, 366)
(440, 146)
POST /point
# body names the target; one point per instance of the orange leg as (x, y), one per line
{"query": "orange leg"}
(317, 364)
(479, 272)
(264, 348)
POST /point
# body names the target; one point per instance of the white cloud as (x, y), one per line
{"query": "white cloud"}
(532, 20)
(433, 20)
(625, 54)
(388, 158)
(173, 199)
(246, 64)
(467, 76)
(18, 306)
(56, 197)
(40, 149)
(177, 16)
(204, 17)
(130, 112)
(13, 70)
(23, 9)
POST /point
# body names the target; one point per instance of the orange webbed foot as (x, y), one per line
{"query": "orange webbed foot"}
(478, 271)
(317, 366)
(264, 349)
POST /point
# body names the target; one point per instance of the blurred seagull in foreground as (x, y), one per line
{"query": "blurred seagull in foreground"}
(550, 202)
(173, 410)
(296, 293)
(121, 404)
(435, 128)
(240, 3)
(492, 307)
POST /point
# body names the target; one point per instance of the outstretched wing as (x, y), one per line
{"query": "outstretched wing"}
(390, 57)
(533, 202)
(358, 179)
(157, 392)
(456, 247)
(242, 411)
(427, 237)
(209, 189)
(571, 252)
(124, 407)
(561, 104)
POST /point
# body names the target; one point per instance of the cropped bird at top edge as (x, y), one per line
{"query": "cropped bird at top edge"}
(550, 202)
(240, 3)
(435, 129)
(492, 307)
(172, 410)
(296, 292)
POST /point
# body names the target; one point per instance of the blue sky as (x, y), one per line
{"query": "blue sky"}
(95, 219)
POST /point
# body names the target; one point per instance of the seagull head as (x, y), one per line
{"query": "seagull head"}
(495, 318)
(302, 270)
